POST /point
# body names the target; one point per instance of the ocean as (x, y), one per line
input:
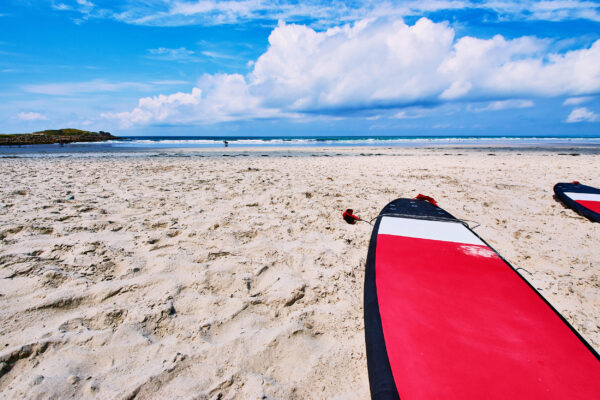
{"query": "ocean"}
(159, 145)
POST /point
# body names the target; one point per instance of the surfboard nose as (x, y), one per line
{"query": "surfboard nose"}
(414, 207)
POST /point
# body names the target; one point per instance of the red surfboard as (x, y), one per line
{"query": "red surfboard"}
(446, 317)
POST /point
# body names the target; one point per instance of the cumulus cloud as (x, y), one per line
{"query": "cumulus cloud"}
(223, 97)
(32, 116)
(573, 101)
(582, 115)
(383, 64)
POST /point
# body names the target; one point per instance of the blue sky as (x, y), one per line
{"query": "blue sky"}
(189, 67)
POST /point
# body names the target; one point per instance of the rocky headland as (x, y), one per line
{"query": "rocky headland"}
(52, 136)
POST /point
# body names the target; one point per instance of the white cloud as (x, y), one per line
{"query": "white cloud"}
(223, 97)
(582, 115)
(365, 65)
(385, 63)
(325, 13)
(180, 54)
(72, 88)
(60, 6)
(161, 107)
(32, 116)
(220, 55)
(406, 115)
(506, 104)
(573, 101)
(170, 82)
(184, 55)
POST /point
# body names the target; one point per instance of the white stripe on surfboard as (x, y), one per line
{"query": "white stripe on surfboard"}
(583, 196)
(425, 229)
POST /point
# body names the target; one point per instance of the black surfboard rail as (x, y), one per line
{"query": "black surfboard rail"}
(381, 380)
(575, 187)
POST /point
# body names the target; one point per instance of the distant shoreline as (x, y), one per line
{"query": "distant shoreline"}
(57, 136)
(109, 151)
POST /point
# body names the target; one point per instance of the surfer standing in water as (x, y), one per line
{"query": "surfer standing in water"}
(226, 143)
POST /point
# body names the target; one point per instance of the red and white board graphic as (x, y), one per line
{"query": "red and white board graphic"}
(459, 322)
(587, 200)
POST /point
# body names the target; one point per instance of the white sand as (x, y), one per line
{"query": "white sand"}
(236, 277)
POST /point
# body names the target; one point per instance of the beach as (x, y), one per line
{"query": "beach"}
(232, 275)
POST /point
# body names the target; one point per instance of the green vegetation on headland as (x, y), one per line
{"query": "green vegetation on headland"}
(52, 136)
